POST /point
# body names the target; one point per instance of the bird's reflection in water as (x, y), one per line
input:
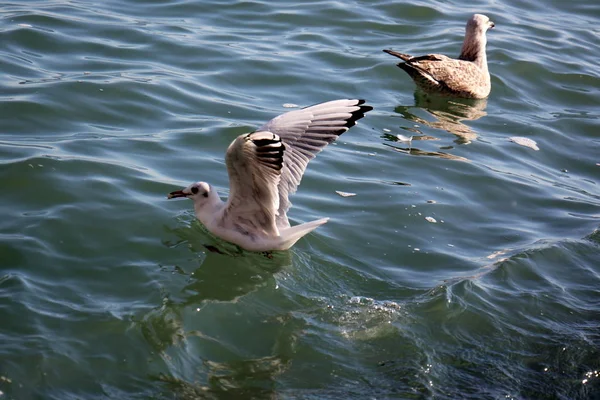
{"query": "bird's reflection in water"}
(448, 114)
(219, 278)
(226, 271)
(413, 149)
(224, 274)
(243, 379)
(225, 278)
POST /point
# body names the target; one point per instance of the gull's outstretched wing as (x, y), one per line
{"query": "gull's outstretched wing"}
(304, 134)
(254, 162)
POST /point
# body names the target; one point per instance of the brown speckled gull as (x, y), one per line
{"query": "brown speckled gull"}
(467, 76)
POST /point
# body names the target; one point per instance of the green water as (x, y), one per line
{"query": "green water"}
(110, 291)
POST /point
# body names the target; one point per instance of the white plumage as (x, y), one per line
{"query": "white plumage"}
(265, 167)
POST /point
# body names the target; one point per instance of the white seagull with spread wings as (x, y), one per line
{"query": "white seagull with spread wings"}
(265, 167)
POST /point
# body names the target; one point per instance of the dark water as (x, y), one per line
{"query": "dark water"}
(109, 291)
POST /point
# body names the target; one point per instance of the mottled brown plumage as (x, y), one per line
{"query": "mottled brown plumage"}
(467, 76)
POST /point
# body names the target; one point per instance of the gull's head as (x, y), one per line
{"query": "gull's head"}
(199, 192)
(479, 23)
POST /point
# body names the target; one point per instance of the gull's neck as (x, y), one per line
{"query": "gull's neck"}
(473, 48)
(208, 210)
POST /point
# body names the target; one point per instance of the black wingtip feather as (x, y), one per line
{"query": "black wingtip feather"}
(269, 155)
(358, 114)
(265, 142)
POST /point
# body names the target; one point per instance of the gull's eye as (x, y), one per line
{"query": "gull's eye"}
(194, 190)
(205, 194)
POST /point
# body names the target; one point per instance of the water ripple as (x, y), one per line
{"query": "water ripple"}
(109, 290)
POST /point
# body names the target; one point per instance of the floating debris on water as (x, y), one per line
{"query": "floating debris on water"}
(431, 201)
(289, 105)
(386, 130)
(345, 194)
(524, 142)
(431, 219)
(405, 139)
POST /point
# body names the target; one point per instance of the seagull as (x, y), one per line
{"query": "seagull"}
(466, 77)
(265, 167)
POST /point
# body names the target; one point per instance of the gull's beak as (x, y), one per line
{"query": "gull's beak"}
(177, 193)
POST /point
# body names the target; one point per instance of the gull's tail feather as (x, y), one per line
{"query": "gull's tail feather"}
(289, 236)
(405, 57)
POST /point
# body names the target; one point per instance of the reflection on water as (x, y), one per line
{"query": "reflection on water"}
(247, 379)
(227, 271)
(162, 327)
(216, 279)
(224, 278)
(448, 114)
(224, 274)
(414, 151)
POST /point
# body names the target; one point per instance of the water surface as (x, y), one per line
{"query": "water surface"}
(108, 290)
